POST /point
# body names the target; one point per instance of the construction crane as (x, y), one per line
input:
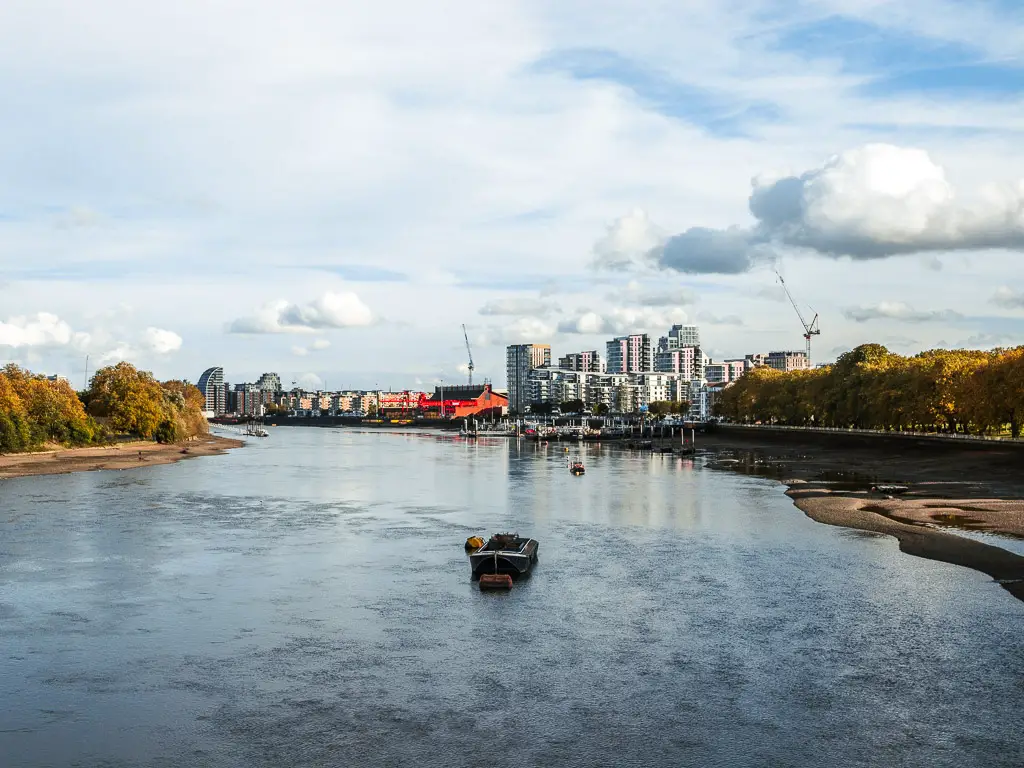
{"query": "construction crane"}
(810, 329)
(468, 352)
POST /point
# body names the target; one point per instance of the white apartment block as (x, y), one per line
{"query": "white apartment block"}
(680, 336)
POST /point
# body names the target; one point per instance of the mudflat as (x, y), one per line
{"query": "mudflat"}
(849, 483)
(121, 456)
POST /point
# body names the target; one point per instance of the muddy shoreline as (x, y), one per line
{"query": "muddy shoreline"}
(122, 456)
(933, 487)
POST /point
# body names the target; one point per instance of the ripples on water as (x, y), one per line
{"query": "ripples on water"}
(306, 601)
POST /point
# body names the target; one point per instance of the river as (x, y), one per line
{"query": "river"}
(306, 601)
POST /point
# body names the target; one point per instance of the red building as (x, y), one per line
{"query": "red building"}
(464, 400)
(401, 405)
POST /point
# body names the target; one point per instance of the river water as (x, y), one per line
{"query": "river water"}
(306, 601)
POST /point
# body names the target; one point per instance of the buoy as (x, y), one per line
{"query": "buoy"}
(474, 542)
(495, 581)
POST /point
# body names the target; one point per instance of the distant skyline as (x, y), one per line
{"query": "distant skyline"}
(324, 192)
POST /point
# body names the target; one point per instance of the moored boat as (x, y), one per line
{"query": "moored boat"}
(505, 553)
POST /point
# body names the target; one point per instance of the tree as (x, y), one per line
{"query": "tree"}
(572, 406)
(35, 410)
(130, 400)
(601, 409)
(541, 409)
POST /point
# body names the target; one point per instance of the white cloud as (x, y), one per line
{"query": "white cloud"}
(628, 243)
(518, 307)
(331, 310)
(875, 201)
(42, 329)
(622, 320)
(161, 341)
(122, 351)
(299, 351)
(896, 310)
(320, 344)
(1009, 298)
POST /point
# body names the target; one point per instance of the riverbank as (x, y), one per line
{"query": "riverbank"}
(121, 456)
(947, 487)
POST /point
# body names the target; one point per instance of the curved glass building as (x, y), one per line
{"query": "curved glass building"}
(211, 384)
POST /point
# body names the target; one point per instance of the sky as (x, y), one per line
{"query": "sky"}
(330, 190)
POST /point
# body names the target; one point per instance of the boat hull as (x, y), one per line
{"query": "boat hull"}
(514, 563)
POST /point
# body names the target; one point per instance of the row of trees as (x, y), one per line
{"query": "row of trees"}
(959, 390)
(121, 400)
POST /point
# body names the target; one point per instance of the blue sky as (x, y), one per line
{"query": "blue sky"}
(328, 194)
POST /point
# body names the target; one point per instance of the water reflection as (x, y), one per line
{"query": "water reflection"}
(307, 601)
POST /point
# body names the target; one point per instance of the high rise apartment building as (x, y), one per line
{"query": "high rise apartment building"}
(584, 362)
(520, 359)
(629, 354)
(211, 384)
(687, 361)
(680, 336)
(269, 382)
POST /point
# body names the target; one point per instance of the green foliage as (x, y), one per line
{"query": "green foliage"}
(601, 409)
(663, 408)
(873, 388)
(572, 406)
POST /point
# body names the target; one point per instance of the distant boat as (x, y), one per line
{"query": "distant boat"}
(505, 553)
(576, 467)
(254, 429)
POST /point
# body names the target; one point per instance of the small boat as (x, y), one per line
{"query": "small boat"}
(495, 581)
(505, 553)
(576, 467)
(890, 488)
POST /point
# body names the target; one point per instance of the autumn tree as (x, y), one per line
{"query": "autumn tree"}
(35, 410)
(128, 399)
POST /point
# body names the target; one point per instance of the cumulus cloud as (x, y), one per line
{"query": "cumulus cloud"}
(628, 243)
(160, 341)
(896, 310)
(621, 320)
(1009, 298)
(712, 251)
(871, 202)
(299, 351)
(517, 307)
(332, 310)
(121, 351)
(320, 344)
(42, 329)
